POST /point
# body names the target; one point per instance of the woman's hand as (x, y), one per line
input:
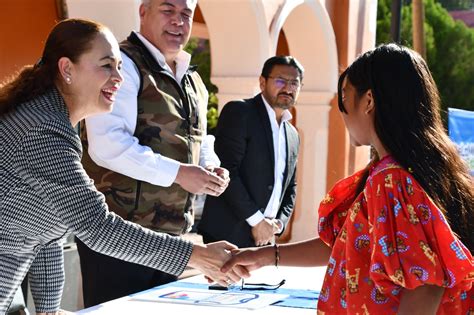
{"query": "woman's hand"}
(209, 259)
(249, 259)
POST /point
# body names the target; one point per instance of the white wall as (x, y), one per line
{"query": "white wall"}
(121, 16)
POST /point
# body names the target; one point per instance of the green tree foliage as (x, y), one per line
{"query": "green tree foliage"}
(449, 47)
(201, 57)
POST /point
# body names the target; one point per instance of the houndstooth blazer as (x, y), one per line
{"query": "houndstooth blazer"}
(44, 192)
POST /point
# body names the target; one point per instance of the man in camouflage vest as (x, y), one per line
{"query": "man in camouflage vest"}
(144, 155)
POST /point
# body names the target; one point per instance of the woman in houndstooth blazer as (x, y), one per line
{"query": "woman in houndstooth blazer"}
(45, 192)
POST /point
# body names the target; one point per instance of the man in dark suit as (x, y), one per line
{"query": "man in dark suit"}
(258, 145)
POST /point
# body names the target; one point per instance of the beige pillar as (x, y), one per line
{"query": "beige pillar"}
(312, 123)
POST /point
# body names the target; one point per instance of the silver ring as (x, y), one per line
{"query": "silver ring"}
(228, 281)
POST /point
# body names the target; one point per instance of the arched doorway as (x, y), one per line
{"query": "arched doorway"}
(239, 45)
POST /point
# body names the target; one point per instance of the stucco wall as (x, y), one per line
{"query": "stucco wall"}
(24, 26)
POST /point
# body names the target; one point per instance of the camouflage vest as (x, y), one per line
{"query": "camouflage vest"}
(171, 122)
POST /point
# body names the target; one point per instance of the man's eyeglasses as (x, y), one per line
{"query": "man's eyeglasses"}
(281, 83)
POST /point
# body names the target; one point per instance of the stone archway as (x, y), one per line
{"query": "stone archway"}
(311, 39)
(239, 45)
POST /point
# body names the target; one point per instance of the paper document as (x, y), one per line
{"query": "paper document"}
(231, 298)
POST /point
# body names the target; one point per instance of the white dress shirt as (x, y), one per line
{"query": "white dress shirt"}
(110, 136)
(279, 148)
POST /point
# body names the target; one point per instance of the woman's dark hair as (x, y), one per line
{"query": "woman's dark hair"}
(281, 61)
(408, 123)
(69, 38)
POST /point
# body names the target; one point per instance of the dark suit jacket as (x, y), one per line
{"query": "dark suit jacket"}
(244, 144)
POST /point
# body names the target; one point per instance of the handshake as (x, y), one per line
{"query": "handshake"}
(224, 263)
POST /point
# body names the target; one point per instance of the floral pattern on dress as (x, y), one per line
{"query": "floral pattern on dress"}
(388, 238)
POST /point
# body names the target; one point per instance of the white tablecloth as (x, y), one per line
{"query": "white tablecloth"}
(296, 278)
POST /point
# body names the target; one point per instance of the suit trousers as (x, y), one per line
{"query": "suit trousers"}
(105, 278)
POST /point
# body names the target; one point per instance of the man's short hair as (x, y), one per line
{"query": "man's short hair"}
(147, 2)
(283, 61)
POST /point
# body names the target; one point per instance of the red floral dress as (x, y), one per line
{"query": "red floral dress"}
(390, 237)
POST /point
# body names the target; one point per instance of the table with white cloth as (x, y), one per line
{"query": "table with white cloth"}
(299, 281)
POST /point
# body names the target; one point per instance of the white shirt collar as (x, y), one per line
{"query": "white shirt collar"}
(286, 116)
(183, 59)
